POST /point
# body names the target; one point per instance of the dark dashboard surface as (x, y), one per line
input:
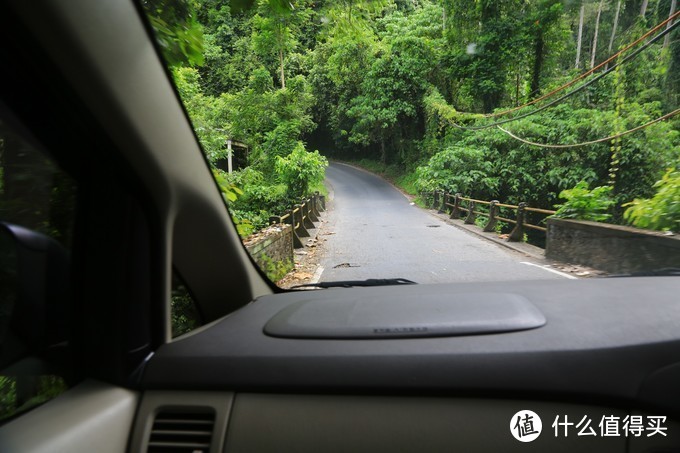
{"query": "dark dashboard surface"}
(612, 338)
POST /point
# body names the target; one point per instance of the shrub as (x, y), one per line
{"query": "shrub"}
(300, 169)
(457, 169)
(230, 191)
(662, 211)
(585, 204)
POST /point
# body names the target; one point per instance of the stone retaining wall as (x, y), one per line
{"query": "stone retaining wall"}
(272, 250)
(611, 248)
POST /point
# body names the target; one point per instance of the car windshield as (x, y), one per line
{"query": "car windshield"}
(437, 141)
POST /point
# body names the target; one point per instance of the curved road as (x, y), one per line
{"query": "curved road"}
(372, 231)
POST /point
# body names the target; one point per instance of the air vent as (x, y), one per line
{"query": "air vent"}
(182, 431)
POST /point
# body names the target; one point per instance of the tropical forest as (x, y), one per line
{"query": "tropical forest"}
(562, 104)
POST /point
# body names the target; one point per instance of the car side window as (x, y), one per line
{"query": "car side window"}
(37, 211)
(184, 311)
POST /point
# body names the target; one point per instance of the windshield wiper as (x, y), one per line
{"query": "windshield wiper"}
(353, 283)
(665, 272)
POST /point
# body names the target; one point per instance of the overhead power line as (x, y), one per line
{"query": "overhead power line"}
(592, 142)
(573, 92)
(587, 73)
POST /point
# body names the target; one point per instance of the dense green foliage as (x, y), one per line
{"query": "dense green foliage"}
(243, 89)
(19, 394)
(184, 315)
(662, 211)
(412, 85)
(275, 270)
(585, 204)
(301, 169)
(460, 169)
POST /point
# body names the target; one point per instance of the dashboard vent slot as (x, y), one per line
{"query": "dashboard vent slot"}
(182, 431)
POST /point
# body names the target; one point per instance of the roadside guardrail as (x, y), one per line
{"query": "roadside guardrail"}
(456, 205)
(302, 217)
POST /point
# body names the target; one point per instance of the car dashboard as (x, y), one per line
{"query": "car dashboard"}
(605, 348)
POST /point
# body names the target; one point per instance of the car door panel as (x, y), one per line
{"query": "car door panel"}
(92, 416)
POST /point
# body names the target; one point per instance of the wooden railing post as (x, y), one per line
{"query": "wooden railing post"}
(293, 218)
(424, 195)
(517, 234)
(312, 205)
(306, 218)
(455, 212)
(491, 224)
(445, 198)
(311, 215)
(435, 199)
(470, 219)
(300, 221)
(321, 202)
(290, 220)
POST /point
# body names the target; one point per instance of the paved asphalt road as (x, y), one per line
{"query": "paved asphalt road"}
(373, 231)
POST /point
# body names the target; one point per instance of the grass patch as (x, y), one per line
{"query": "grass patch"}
(407, 182)
(275, 270)
(320, 187)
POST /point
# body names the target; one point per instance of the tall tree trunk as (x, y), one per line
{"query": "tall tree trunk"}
(579, 41)
(616, 24)
(538, 64)
(613, 36)
(667, 38)
(597, 29)
(283, 77)
(643, 8)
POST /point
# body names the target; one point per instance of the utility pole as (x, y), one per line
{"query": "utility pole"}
(229, 156)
